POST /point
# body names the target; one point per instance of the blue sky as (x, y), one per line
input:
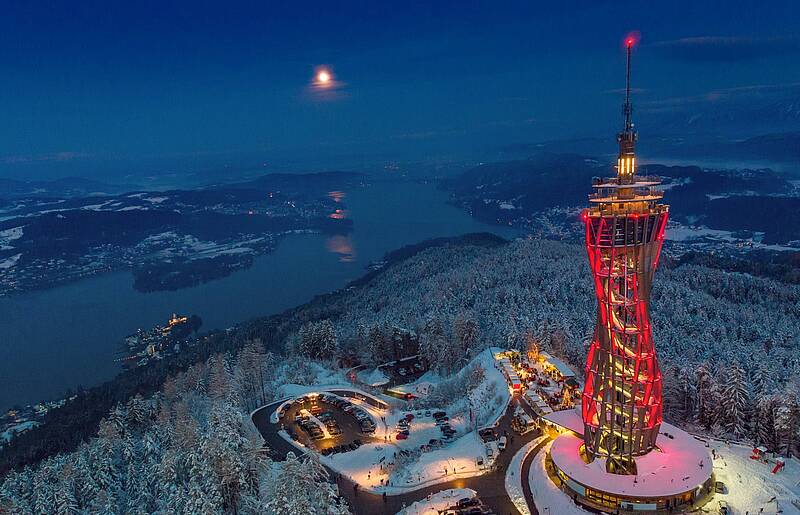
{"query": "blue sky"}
(136, 81)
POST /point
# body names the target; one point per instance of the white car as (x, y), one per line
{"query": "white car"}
(501, 443)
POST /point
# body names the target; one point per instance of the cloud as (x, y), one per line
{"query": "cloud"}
(725, 49)
(739, 94)
(54, 157)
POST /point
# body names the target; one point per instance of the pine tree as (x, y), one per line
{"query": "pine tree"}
(735, 402)
(764, 422)
(685, 392)
(707, 397)
(301, 486)
(787, 422)
(763, 380)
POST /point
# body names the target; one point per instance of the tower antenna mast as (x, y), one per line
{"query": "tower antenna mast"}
(627, 108)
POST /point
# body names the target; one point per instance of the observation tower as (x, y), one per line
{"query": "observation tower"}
(616, 454)
(621, 404)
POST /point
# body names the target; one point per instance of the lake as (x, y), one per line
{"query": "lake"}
(57, 339)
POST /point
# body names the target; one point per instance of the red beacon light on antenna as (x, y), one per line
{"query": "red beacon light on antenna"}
(632, 39)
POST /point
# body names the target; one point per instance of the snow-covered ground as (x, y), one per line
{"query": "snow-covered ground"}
(685, 234)
(439, 501)
(514, 477)
(7, 435)
(372, 377)
(547, 496)
(380, 466)
(9, 262)
(750, 484)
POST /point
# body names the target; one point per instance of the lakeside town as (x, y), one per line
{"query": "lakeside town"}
(19, 420)
(146, 345)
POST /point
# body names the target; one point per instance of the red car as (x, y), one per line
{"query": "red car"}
(401, 436)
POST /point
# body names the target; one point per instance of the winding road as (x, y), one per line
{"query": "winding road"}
(490, 486)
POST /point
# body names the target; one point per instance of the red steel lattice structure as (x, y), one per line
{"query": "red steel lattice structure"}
(621, 403)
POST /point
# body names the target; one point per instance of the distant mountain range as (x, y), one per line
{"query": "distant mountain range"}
(779, 147)
(68, 187)
(517, 192)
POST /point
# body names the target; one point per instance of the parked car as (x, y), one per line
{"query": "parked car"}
(466, 502)
(401, 436)
(487, 434)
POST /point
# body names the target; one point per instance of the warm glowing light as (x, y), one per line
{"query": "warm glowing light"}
(324, 77)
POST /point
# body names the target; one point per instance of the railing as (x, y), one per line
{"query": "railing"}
(614, 181)
(645, 193)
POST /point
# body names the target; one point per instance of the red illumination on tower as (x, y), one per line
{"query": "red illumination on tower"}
(621, 402)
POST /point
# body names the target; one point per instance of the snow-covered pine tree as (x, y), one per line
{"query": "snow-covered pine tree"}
(707, 397)
(787, 420)
(763, 422)
(735, 401)
(301, 486)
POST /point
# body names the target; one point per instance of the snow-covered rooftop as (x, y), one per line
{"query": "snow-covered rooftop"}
(568, 419)
(562, 367)
(677, 465)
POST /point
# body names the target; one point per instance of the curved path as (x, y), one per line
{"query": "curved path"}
(490, 486)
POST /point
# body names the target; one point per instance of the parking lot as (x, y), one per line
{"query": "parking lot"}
(468, 506)
(327, 423)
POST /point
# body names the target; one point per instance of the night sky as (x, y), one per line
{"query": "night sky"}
(96, 81)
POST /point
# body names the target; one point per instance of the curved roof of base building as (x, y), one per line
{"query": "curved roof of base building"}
(679, 463)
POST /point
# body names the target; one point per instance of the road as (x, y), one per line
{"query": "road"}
(490, 486)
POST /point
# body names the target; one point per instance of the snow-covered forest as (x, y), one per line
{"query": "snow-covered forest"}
(727, 342)
(189, 449)
(727, 345)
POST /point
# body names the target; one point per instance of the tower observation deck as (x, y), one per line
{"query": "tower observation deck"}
(621, 403)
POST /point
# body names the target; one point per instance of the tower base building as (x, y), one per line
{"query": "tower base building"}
(675, 476)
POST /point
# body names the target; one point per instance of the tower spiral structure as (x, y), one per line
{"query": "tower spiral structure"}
(621, 403)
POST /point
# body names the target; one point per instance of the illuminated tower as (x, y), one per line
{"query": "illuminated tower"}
(621, 404)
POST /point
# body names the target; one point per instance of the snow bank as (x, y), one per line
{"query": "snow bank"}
(547, 496)
(439, 501)
(513, 480)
